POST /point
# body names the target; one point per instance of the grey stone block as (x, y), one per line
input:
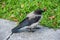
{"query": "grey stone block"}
(5, 28)
(42, 34)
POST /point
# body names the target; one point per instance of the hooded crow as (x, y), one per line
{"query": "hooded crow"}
(31, 20)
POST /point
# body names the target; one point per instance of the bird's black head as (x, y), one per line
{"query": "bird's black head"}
(39, 11)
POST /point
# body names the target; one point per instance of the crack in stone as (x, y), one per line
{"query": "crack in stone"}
(9, 36)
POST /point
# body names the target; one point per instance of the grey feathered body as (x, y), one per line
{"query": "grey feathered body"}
(30, 21)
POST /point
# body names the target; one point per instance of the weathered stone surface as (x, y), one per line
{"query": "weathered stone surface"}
(41, 34)
(5, 28)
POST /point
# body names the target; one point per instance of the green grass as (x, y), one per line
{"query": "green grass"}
(17, 10)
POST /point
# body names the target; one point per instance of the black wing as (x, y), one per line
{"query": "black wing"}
(26, 22)
(20, 25)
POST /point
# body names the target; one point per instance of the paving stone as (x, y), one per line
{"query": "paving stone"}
(42, 34)
(5, 28)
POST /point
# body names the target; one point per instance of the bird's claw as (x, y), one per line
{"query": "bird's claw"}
(33, 29)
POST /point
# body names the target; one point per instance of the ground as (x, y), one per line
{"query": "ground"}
(17, 10)
(42, 34)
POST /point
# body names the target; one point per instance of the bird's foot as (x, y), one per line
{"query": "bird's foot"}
(36, 28)
(31, 30)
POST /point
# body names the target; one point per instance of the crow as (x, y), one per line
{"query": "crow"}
(31, 21)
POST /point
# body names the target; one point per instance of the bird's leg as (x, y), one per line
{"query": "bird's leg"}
(31, 29)
(36, 27)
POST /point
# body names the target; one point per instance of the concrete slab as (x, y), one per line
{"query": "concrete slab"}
(5, 28)
(42, 34)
